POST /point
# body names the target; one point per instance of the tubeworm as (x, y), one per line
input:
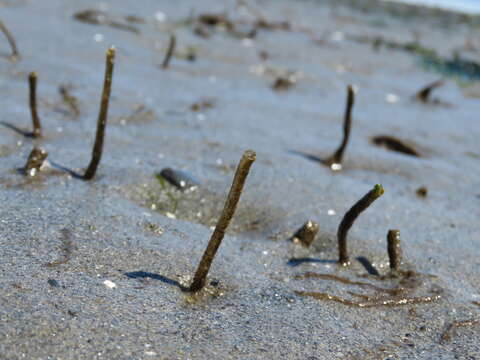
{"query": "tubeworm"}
(335, 160)
(11, 40)
(102, 116)
(394, 249)
(35, 161)
(37, 127)
(306, 234)
(349, 219)
(241, 173)
(171, 48)
(423, 94)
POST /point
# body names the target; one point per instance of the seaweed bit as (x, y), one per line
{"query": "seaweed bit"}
(394, 144)
(35, 162)
(450, 331)
(423, 95)
(37, 127)
(349, 219)
(261, 21)
(204, 22)
(171, 48)
(394, 249)
(98, 17)
(343, 280)
(140, 114)
(69, 99)
(306, 234)
(135, 19)
(335, 160)
(241, 174)
(15, 56)
(203, 104)
(102, 116)
(216, 20)
(422, 192)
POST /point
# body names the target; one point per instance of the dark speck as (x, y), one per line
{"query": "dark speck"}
(422, 192)
(53, 283)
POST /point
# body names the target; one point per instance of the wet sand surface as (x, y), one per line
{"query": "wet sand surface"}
(95, 270)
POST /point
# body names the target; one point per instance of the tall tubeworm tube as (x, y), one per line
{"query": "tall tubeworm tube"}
(32, 82)
(335, 160)
(102, 116)
(11, 40)
(243, 168)
(350, 218)
(394, 249)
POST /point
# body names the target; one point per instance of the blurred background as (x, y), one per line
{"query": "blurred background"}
(470, 6)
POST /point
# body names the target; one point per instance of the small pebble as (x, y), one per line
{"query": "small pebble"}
(110, 284)
(180, 179)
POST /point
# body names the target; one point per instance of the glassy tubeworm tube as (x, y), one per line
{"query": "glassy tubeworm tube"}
(32, 82)
(350, 218)
(394, 249)
(102, 116)
(335, 160)
(243, 168)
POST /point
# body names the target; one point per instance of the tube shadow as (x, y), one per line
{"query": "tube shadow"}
(10, 57)
(367, 265)
(26, 133)
(149, 275)
(308, 156)
(74, 174)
